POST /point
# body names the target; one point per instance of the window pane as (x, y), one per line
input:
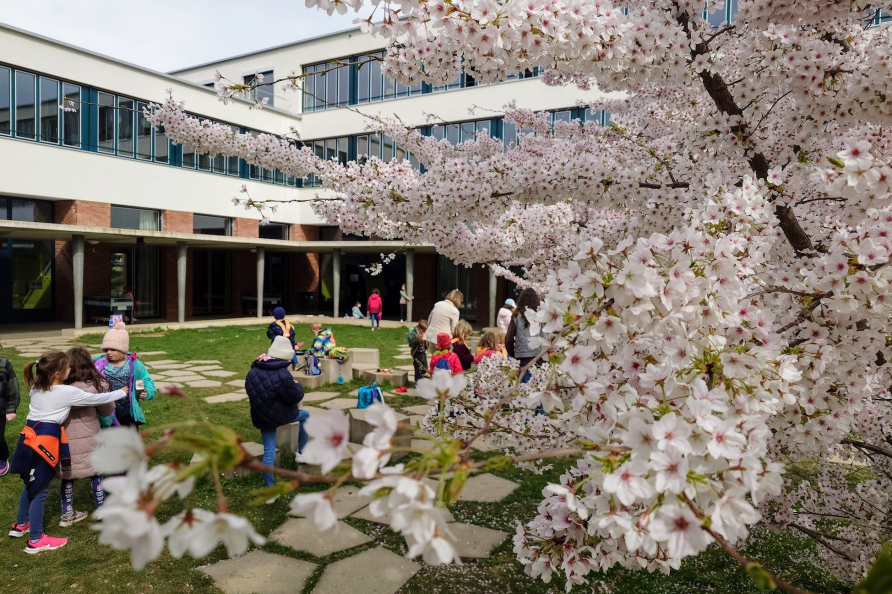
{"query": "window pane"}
(509, 133)
(414, 161)
(562, 116)
(438, 132)
(232, 162)
(135, 218)
(331, 148)
(274, 231)
(289, 179)
(362, 147)
(71, 117)
(207, 225)
(387, 154)
(125, 127)
(105, 139)
(452, 134)
(374, 145)
(5, 111)
(389, 88)
(143, 134)
(399, 153)
(342, 151)
(32, 274)
(717, 17)
(331, 84)
(375, 75)
(268, 91)
(468, 131)
(31, 211)
(267, 175)
(204, 162)
(280, 177)
(188, 156)
(343, 85)
(219, 164)
(162, 146)
(320, 86)
(362, 80)
(24, 105)
(309, 88)
(485, 125)
(49, 110)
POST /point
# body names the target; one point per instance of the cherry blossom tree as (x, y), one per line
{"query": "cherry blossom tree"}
(716, 296)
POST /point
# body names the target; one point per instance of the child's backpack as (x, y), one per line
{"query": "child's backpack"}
(286, 327)
(368, 395)
(313, 365)
(339, 353)
(443, 363)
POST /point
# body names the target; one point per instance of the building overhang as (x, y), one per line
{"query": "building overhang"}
(48, 231)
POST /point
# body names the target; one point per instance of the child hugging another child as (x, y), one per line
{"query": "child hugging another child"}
(122, 368)
(43, 444)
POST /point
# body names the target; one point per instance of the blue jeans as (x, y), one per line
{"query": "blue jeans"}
(269, 445)
(294, 362)
(373, 317)
(31, 510)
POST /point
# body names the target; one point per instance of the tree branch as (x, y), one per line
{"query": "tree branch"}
(868, 446)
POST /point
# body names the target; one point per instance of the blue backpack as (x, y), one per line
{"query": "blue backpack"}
(443, 363)
(313, 365)
(368, 395)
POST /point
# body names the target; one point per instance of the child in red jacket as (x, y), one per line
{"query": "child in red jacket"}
(375, 308)
(443, 357)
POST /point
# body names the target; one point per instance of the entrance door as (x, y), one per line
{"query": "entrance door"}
(137, 267)
(26, 281)
(452, 276)
(275, 276)
(210, 282)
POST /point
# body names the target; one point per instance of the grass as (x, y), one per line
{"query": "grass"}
(86, 566)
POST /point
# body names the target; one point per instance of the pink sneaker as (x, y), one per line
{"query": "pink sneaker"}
(46, 543)
(20, 531)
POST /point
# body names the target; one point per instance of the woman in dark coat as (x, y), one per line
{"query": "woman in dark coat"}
(274, 395)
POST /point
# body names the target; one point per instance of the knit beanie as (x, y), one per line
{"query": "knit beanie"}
(279, 313)
(281, 349)
(117, 339)
(444, 341)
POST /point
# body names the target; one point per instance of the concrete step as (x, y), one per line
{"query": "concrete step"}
(358, 368)
(365, 356)
(308, 381)
(396, 379)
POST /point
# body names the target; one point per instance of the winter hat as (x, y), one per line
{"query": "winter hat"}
(509, 302)
(279, 313)
(281, 349)
(444, 341)
(117, 339)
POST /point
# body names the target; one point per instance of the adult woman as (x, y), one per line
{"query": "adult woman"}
(443, 318)
(81, 429)
(518, 339)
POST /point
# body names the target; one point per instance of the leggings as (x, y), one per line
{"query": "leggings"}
(404, 309)
(67, 489)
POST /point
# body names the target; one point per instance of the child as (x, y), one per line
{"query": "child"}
(9, 402)
(42, 443)
(273, 395)
(122, 368)
(487, 348)
(357, 311)
(500, 340)
(460, 345)
(443, 357)
(81, 429)
(324, 344)
(375, 307)
(505, 314)
(417, 347)
(282, 327)
(405, 298)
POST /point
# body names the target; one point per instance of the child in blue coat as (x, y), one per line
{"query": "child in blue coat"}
(282, 327)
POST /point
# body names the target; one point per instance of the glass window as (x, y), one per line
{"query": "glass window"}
(232, 162)
(3, 207)
(71, 117)
(375, 145)
(342, 151)
(562, 116)
(280, 176)
(331, 149)
(135, 218)
(309, 89)
(267, 174)
(32, 211)
(162, 145)
(389, 88)
(387, 145)
(106, 123)
(343, 85)
(376, 80)
(204, 162)
(32, 274)
(218, 163)
(485, 125)
(125, 127)
(188, 156)
(49, 110)
(362, 148)
(452, 134)
(715, 17)
(143, 134)
(264, 90)
(25, 105)
(509, 133)
(468, 131)
(362, 80)
(208, 225)
(274, 231)
(5, 111)
(320, 85)
(331, 84)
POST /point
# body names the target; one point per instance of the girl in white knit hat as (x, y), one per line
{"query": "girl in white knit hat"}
(120, 368)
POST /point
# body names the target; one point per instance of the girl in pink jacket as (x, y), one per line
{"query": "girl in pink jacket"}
(375, 307)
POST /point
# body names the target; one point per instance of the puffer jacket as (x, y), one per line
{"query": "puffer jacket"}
(81, 428)
(272, 393)
(374, 304)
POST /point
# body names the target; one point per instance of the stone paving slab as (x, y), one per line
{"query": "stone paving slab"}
(486, 444)
(238, 383)
(422, 445)
(179, 373)
(162, 362)
(319, 396)
(203, 368)
(341, 403)
(204, 384)
(152, 353)
(346, 501)
(487, 488)
(419, 409)
(168, 366)
(300, 534)
(475, 542)
(366, 514)
(375, 571)
(161, 385)
(405, 367)
(218, 373)
(203, 362)
(412, 392)
(231, 397)
(259, 571)
(402, 357)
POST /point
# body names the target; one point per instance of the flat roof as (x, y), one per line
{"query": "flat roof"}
(50, 231)
(268, 49)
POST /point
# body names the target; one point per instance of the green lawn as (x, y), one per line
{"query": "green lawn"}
(85, 566)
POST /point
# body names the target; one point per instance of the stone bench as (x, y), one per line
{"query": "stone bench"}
(316, 470)
(396, 379)
(360, 368)
(308, 381)
(365, 357)
(331, 369)
(359, 428)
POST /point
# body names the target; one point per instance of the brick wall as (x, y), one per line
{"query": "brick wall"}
(246, 228)
(82, 212)
(176, 221)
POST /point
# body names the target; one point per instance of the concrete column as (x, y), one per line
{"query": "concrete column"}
(181, 281)
(492, 298)
(261, 257)
(77, 264)
(410, 281)
(336, 280)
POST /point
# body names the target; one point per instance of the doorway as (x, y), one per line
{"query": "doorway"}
(137, 267)
(210, 282)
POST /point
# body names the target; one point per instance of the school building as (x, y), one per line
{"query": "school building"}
(93, 200)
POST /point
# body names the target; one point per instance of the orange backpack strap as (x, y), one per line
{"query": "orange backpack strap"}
(286, 327)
